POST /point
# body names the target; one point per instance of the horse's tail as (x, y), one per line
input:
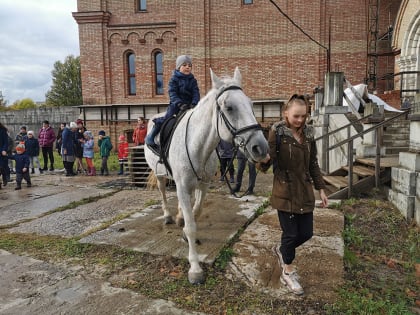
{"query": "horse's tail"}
(151, 181)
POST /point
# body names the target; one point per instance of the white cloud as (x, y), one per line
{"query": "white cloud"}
(34, 35)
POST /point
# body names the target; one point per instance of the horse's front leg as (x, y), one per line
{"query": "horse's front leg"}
(195, 274)
(161, 183)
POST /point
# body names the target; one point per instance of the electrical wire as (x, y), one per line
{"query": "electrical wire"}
(297, 26)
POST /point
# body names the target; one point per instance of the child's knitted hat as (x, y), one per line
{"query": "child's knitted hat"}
(20, 148)
(30, 132)
(101, 133)
(88, 134)
(182, 59)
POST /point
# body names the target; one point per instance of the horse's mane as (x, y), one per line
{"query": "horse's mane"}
(227, 81)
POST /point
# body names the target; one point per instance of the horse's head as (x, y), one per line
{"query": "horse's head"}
(235, 119)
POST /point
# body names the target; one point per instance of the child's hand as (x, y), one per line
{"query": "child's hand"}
(24, 170)
(4, 153)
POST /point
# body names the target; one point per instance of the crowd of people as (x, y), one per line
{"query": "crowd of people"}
(73, 142)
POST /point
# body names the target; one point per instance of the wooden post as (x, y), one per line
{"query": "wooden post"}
(378, 156)
(350, 173)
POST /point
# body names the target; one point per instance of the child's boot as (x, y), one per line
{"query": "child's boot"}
(102, 172)
(18, 186)
(41, 170)
(93, 171)
(29, 184)
(33, 171)
(88, 171)
(121, 172)
(150, 138)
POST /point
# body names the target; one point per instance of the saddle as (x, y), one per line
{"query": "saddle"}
(165, 138)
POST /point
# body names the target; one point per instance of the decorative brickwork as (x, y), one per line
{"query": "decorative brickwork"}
(275, 58)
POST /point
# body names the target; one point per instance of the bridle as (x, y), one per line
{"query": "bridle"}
(236, 133)
(233, 131)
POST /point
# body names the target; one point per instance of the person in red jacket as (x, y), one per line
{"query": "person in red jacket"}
(122, 153)
(140, 132)
(46, 139)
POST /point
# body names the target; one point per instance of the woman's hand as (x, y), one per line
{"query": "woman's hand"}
(324, 198)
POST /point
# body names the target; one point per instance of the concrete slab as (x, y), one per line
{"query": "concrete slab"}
(8, 196)
(144, 231)
(44, 202)
(319, 261)
(30, 286)
(87, 217)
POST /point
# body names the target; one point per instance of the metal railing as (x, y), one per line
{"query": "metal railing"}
(325, 143)
(349, 141)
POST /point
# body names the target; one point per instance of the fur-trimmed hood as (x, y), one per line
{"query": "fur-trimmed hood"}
(281, 129)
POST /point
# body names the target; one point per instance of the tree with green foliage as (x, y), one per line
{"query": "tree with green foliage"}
(66, 89)
(23, 104)
(3, 103)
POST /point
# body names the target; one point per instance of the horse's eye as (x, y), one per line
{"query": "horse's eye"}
(229, 108)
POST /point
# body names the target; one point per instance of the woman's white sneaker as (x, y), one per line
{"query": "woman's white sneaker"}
(291, 281)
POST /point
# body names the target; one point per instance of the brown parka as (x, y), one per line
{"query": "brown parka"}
(295, 168)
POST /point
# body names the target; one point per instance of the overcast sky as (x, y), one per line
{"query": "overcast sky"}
(33, 35)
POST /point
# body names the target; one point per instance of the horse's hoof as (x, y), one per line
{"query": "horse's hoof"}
(169, 220)
(196, 277)
(180, 222)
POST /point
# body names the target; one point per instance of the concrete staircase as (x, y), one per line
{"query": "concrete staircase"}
(396, 137)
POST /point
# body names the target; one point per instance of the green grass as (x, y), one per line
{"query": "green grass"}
(113, 164)
(381, 250)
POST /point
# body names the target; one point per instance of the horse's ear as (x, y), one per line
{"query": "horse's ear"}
(216, 82)
(237, 76)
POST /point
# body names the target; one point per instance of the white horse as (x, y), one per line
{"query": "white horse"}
(224, 113)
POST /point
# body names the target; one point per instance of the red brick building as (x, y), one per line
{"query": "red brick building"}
(128, 48)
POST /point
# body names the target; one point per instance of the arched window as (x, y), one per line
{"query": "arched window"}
(158, 56)
(131, 73)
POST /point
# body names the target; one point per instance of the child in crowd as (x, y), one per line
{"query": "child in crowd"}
(22, 166)
(105, 147)
(183, 94)
(122, 153)
(32, 150)
(87, 145)
(140, 132)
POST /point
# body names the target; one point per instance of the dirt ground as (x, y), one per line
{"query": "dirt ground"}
(114, 233)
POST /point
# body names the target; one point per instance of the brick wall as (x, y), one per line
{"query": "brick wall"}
(276, 59)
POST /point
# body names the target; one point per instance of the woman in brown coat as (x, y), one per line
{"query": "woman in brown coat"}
(296, 171)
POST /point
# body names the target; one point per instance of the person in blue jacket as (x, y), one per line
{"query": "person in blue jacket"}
(22, 166)
(32, 149)
(183, 94)
(67, 148)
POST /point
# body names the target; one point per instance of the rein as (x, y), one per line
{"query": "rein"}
(234, 132)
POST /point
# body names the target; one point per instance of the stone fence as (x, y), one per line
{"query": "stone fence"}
(33, 118)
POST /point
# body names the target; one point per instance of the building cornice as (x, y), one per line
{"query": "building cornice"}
(92, 17)
(142, 26)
